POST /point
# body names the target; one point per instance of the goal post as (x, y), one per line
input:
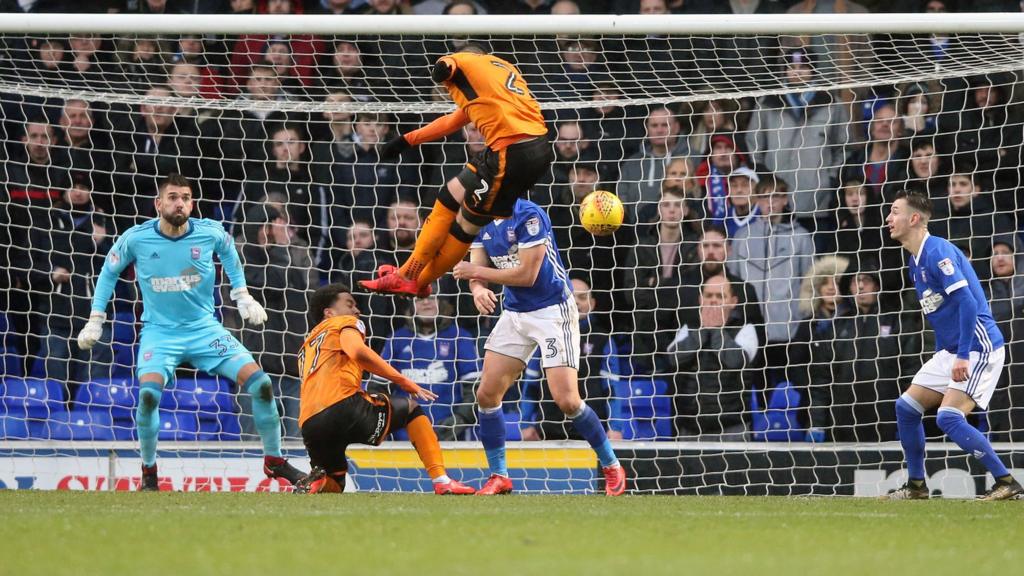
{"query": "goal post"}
(762, 150)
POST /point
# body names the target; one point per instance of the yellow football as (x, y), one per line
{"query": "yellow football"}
(601, 212)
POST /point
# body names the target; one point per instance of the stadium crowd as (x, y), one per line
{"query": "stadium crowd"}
(752, 294)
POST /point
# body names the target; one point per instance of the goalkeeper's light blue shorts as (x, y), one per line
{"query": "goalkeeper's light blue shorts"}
(208, 347)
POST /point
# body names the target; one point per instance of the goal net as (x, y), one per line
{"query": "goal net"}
(747, 330)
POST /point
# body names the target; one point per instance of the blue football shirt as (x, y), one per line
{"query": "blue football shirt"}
(938, 271)
(503, 239)
(177, 276)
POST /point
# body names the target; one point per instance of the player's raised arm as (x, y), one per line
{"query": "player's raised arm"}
(353, 346)
(524, 275)
(119, 257)
(249, 309)
(439, 128)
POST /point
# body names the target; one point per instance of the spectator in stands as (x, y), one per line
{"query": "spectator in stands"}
(154, 142)
(595, 370)
(916, 117)
(248, 49)
(651, 277)
(680, 180)
(278, 55)
(242, 7)
(85, 148)
(452, 156)
(713, 173)
(210, 62)
(720, 56)
(859, 219)
(334, 138)
(398, 63)
(857, 376)
(925, 172)
(67, 245)
(581, 68)
(773, 253)
(142, 62)
(714, 360)
(800, 137)
(1004, 291)
(989, 135)
(617, 130)
(402, 223)
(571, 146)
(969, 219)
(331, 7)
(359, 261)
(90, 62)
(345, 72)
(436, 353)
(279, 271)
(741, 209)
(877, 161)
(642, 173)
(51, 61)
(288, 175)
(455, 7)
(712, 117)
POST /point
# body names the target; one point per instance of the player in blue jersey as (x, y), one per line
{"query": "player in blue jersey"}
(968, 356)
(519, 252)
(174, 264)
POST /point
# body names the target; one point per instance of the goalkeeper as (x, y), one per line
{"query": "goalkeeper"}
(173, 257)
(492, 94)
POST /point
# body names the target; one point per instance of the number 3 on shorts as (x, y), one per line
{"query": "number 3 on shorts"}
(552, 347)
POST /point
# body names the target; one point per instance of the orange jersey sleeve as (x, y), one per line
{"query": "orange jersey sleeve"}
(328, 374)
(494, 97)
(438, 129)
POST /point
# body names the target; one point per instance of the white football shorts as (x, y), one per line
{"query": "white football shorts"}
(982, 374)
(556, 329)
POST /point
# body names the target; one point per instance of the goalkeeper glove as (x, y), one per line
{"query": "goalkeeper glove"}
(92, 331)
(394, 148)
(248, 308)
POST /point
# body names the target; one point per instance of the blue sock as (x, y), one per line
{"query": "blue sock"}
(908, 422)
(264, 412)
(972, 441)
(147, 421)
(589, 426)
(492, 436)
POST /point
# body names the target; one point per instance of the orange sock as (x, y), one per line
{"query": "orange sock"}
(423, 439)
(430, 240)
(451, 253)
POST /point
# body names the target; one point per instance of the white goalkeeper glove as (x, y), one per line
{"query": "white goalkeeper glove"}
(248, 308)
(92, 331)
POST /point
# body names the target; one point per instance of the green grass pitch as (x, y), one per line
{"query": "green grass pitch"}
(84, 533)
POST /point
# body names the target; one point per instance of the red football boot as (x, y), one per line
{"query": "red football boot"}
(387, 269)
(453, 488)
(397, 285)
(614, 480)
(319, 482)
(496, 484)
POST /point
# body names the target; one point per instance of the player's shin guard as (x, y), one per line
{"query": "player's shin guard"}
(424, 440)
(589, 426)
(492, 436)
(147, 421)
(264, 412)
(432, 236)
(967, 437)
(908, 421)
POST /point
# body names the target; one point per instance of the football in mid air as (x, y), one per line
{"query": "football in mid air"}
(601, 212)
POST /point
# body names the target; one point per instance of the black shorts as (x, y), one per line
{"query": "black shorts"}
(354, 420)
(495, 180)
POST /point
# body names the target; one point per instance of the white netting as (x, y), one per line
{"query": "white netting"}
(279, 135)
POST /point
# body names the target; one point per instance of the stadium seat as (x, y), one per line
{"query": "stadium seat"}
(83, 425)
(32, 397)
(124, 359)
(11, 363)
(54, 427)
(223, 428)
(780, 421)
(643, 429)
(179, 426)
(123, 327)
(115, 397)
(13, 428)
(38, 367)
(644, 398)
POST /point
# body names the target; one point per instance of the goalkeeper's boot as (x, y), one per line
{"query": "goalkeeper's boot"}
(1003, 490)
(277, 467)
(453, 488)
(150, 482)
(388, 270)
(496, 484)
(909, 491)
(614, 480)
(319, 482)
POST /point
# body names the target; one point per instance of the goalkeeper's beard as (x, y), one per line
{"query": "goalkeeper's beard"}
(176, 219)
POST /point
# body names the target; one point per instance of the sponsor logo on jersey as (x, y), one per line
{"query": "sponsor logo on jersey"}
(930, 301)
(182, 283)
(505, 262)
(196, 252)
(946, 265)
(533, 226)
(434, 373)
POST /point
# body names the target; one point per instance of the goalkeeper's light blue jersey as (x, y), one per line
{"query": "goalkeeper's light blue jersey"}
(177, 276)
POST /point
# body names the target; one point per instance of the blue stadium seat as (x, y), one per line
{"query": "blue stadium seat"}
(11, 363)
(124, 359)
(780, 421)
(115, 397)
(207, 396)
(32, 397)
(54, 427)
(654, 429)
(38, 367)
(123, 327)
(179, 426)
(83, 425)
(13, 428)
(223, 428)
(647, 407)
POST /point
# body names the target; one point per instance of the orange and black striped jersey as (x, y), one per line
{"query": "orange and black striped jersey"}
(328, 374)
(490, 93)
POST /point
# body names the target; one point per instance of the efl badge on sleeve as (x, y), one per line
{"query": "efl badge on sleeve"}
(946, 265)
(114, 258)
(510, 235)
(361, 327)
(533, 226)
(196, 252)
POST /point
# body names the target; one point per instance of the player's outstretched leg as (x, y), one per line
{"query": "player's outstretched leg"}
(268, 424)
(954, 424)
(407, 412)
(147, 424)
(908, 421)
